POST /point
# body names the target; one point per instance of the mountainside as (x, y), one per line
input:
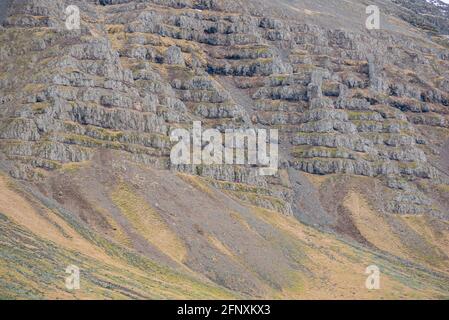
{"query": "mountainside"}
(85, 171)
(427, 14)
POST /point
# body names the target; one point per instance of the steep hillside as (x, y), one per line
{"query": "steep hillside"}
(428, 14)
(86, 177)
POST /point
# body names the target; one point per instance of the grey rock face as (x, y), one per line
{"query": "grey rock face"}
(139, 69)
(4, 6)
(173, 55)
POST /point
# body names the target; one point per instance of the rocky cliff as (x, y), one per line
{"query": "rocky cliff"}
(85, 118)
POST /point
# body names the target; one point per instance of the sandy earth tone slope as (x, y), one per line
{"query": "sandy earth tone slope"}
(273, 255)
